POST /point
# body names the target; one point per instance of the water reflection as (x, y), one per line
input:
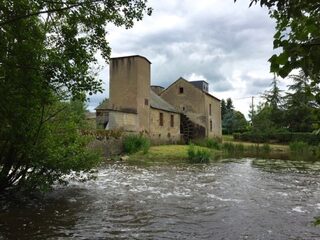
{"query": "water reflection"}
(227, 199)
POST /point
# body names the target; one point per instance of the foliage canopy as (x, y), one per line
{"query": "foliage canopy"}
(48, 59)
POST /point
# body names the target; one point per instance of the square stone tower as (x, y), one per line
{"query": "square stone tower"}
(130, 88)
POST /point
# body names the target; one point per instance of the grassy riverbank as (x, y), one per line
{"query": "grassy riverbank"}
(208, 149)
(167, 153)
(274, 147)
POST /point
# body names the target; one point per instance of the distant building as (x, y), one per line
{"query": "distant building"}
(197, 106)
(185, 110)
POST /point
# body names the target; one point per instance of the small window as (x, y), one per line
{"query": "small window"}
(146, 102)
(210, 109)
(172, 120)
(161, 119)
(183, 108)
(210, 125)
(181, 90)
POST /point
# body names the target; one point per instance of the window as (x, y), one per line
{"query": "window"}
(210, 125)
(146, 102)
(210, 109)
(180, 90)
(161, 119)
(172, 120)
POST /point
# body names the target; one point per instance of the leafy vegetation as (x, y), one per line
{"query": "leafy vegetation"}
(35, 158)
(232, 120)
(277, 137)
(286, 118)
(136, 143)
(212, 143)
(316, 221)
(48, 60)
(302, 150)
(198, 155)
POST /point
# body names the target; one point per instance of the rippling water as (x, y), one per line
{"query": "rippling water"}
(239, 199)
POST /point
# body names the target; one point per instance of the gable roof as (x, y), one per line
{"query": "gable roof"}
(182, 79)
(158, 103)
(155, 102)
(103, 105)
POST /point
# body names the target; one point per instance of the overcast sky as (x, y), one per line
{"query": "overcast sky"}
(225, 43)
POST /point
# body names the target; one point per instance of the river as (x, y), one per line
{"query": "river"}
(227, 199)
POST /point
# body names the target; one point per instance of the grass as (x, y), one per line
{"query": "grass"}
(179, 153)
(273, 147)
(166, 153)
(135, 143)
(198, 155)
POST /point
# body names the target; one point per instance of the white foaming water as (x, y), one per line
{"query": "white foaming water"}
(299, 209)
(224, 199)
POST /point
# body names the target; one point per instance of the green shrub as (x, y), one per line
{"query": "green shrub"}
(301, 150)
(265, 148)
(239, 148)
(299, 147)
(278, 137)
(228, 147)
(316, 221)
(198, 155)
(212, 143)
(136, 143)
(253, 148)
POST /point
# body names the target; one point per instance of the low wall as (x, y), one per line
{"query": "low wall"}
(108, 147)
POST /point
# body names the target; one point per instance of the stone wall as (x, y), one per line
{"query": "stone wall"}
(214, 117)
(130, 87)
(126, 121)
(195, 105)
(108, 147)
(166, 133)
(190, 102)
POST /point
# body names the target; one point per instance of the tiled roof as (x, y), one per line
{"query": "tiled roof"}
(158, 103)
(103, 105)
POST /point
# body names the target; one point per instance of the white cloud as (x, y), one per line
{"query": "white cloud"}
(222, 42)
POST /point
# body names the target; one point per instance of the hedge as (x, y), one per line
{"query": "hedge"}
(287, 137)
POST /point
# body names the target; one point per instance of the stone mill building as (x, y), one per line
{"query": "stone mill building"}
(183, 111)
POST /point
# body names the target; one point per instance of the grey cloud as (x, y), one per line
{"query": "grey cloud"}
(208, 43)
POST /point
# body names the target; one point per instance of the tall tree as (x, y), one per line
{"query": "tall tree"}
(234, 121)
(223, 108)
(301, 108)
(229, 105)
(273, 100)
(47, 54)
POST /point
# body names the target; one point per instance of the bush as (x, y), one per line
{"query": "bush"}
(265, 148)
(228, 147)
(212, 143)
(299, 147)
(233, 148)
(134, 143)
(278, 137)
(316, 221)
(239, 148)
(198, 155)
(302, 150)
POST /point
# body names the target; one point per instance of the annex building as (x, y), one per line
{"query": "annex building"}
(183, 111)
